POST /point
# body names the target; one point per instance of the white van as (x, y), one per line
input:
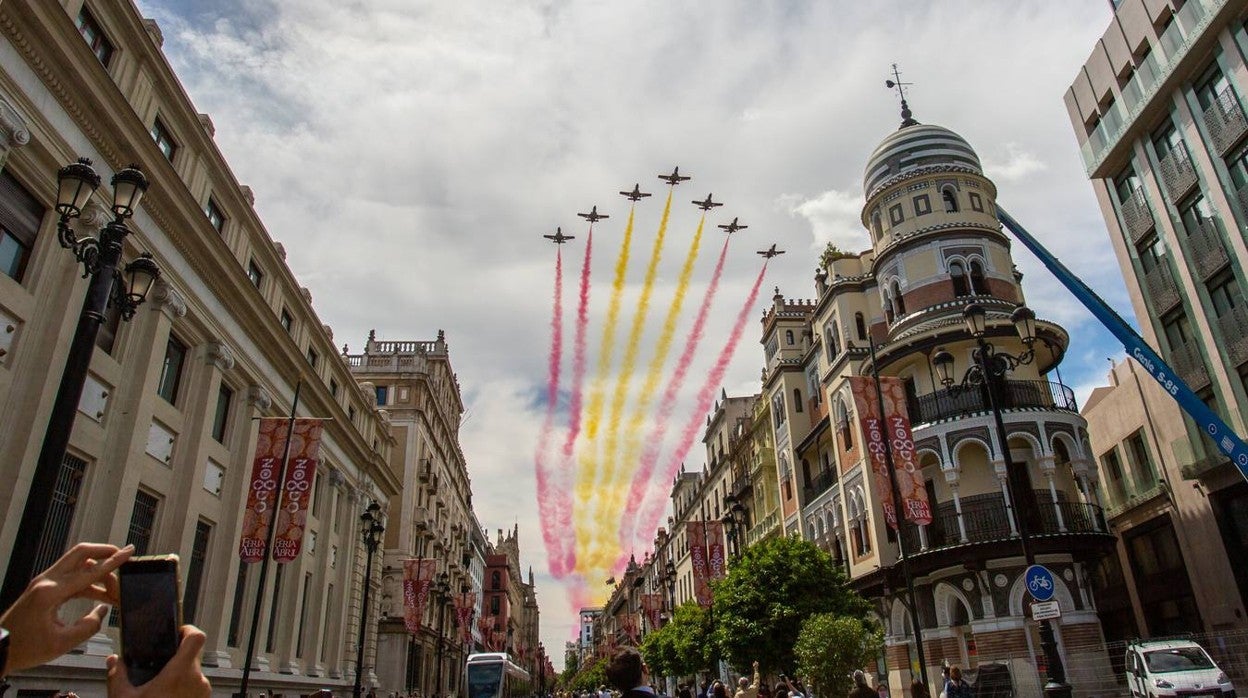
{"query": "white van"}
(1174, 668)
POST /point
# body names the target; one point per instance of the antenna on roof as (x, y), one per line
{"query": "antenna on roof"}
(907, 118)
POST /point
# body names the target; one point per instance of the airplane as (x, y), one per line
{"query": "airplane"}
(636, 194)
(733, 227)
(771, 252)
(593, 216)
(708, 204)
(559, 238)
(674, 178)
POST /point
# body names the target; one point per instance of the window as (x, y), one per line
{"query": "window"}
(1224, 293)
(894, 214)
(273, 604)
(876, 226)
(329, 599)
(215, 217)
(860, 324)
(20, 216)
(788, 337)
(94, 36)
(495, 581)
(1114, 481)
(777, 409)
(1151, 253)
(1166, 139)
(899, 303)
(977, 202)
(961, 284)
(922, 205)
(1212, 84)
(832, 341)
(313, 357)
(842, 424)
(303, 613)
(1177, 329)
(383, 393)
(236, 609)
(1237, 163)
(1137, 450)
(257, 277)
(950, 198)
(171, 370)
(351, 413)
(287, 321)
(797, 400)
(60, 520)
(221, 417)
(494, 609)
(164, 139)
(978, 284)
(195, 571)
(1126, 184)
(1196, 215)
(142, 522)
(333, 387)
(318, 494)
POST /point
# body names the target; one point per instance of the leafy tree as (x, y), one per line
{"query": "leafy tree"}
(830, 647)
(769, 592)
(683, 646)
(591, 675)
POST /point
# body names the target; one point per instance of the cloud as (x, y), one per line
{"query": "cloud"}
(834, 216)
(1017, 165)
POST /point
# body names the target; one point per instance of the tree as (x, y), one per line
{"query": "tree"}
(830, 647)
(683, 646)
(769, 592)
(591, 675)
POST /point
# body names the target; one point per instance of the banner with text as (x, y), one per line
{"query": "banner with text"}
(716, 549)
(465, 604)
(262, 492)
(701, 566)
(910, 484)
(874, 433)
(652, 606)
(417, 578)
(305, 448)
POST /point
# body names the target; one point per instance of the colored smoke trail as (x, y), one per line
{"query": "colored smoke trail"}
(706, 396)
(588, 471)
(654, 443)
(565, 559)
(547, 503)
(597, 546)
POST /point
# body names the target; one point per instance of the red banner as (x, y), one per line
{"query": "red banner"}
(305, 448)
(874, 433)
(262, 494)
(417, 578)
(716, 551)
(701, 566)
(630, 627)
(465, 604)
(652, 606)
(892, 423)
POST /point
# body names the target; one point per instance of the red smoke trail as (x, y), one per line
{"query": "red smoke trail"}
(565, 559)
(545, 498)
(654, 508)
(650, 455)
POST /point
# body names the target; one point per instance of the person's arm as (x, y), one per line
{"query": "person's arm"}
(181, 677)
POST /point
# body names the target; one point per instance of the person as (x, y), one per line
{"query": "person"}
(603, 692)
(706, 689)
(745, 689)
(955, 687)
(719, 690)
(682, 691)
(89, 571)
(764, 691)
(918, 689)
(628, 674)
(861, 689)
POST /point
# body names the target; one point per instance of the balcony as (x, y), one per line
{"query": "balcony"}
(763, 527)
(1136, 216)
(1233, 326)
(1186, 361)
(1178, 175)
(1207, 249)
(986, 520)
(1009, 394)
(1161, 287)
(1225, 121)
(820, 484)
(1134, 498)
(741, 484)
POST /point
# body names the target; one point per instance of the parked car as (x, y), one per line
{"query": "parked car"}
(1174, 668)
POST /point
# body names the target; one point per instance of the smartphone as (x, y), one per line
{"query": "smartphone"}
(151, 614)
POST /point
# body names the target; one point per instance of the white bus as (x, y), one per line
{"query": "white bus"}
(494, 675)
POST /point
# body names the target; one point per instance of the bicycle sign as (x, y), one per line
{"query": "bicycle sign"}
(1039, 582)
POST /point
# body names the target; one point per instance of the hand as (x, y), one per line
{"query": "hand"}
(756, 665)
(36, 633)
(181, 676)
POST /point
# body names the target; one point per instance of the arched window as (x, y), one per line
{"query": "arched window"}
(888, 308)
(788, 337)
(951, 200)
(876, 226)
(961, 285)
(978, 285)
(842, 423)
(899, 303)
(805, 473)
(860, 324)
(797, 400)
(495, 581)
(834, 342)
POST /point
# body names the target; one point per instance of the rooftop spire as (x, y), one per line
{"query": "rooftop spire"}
(907, 118)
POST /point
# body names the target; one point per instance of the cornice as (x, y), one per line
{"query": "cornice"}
(924, 171)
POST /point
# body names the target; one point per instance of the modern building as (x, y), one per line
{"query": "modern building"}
(1158, 110)
(161, 451)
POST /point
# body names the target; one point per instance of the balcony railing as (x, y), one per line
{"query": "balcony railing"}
(986, 519)
(1207, 249)
(1190, 365)
(1136, 216)
(1161, 287)
(763, 528)
(741, 484)
(1009, 394)
(1177, 173)
(1136, 496)
(1225, 121)
(1233, 325)
(820, 483)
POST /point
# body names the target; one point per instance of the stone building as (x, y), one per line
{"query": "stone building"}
(160, 454)
(510, 609)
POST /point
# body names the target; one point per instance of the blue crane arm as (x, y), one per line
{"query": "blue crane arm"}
(1208, 420)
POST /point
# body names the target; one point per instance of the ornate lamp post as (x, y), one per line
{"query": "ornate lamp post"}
(372, 531)
(669, 579)
(441, 591)
(988, 373)
(124, 289)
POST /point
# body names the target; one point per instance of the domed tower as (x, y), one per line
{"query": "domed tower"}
(937, 249)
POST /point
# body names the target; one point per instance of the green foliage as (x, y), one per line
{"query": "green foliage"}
(590, 675)
(769, 592)
(830, 647)
(831, 253)
(681, 647)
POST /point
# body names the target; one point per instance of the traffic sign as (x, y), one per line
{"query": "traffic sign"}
(1039, 582)
(1045, 610)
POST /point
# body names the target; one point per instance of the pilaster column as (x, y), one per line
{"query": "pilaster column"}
(998, 467)
(952, 477)
(13, 130)
(1046, 465)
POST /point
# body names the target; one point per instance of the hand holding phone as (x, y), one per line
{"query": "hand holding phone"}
(151, 615)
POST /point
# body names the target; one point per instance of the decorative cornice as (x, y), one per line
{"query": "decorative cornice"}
(220, 355)
(168, 300)
(259, 397)
(12, 125)
(920, 172)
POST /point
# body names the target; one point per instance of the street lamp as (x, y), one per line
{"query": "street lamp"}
(669, 578)
(122, 288)
(441, 591)
(988, 372)
(372, 530)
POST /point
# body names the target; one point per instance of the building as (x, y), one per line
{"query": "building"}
(1158, 113)
(510, 617)
(161, 451)
(1171, 573)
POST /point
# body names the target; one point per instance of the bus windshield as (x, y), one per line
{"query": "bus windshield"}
(484, 680)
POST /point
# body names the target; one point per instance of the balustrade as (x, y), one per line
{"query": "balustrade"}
(1161, 287)
(1225, 121)
(1136, 216)
(1233, 326)
(1207, 249)
(1009, 394)
(1177, 173)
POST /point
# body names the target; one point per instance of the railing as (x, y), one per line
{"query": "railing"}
(1177, 173)
(1225, 121)
(1207, 249)
(1161, 287)
(986, 520)
(1233, 326)
(820, 483)
(1136, 216)
(741, 483)
(401, 347)
(1128, 500)
(1186, 361)
(763, 528)
(1008, 394)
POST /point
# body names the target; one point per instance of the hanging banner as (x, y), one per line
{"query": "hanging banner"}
(652, 606)
(910, 485)
(632, 627)
(465, 604)
(874, 433)
(417, 578)
(262, 494)
(305, 448)
(716, 551)
(701, 566)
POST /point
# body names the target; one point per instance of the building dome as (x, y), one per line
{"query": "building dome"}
(917, 145)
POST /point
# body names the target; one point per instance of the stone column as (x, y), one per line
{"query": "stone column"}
(1047, 468)
(998, 466)
(952, 477)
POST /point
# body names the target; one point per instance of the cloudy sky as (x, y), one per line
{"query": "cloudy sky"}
(410, 153)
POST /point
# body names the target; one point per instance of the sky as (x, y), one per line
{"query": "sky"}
(409, 154)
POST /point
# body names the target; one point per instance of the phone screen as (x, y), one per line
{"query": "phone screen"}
(150, 615)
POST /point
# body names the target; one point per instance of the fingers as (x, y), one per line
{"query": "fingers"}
(84, 627)
(80, 554)
(190, 647)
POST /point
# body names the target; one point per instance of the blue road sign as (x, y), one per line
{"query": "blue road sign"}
(1039, 582)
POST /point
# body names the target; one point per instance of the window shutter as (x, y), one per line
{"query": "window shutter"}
(20, 213)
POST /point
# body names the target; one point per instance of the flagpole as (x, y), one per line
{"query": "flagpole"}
(268, 546)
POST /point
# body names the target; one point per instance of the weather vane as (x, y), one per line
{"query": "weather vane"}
(907, 118)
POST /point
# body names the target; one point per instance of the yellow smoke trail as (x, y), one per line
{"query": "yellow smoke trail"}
(636, 421)
(587, 473)
(602, 547)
